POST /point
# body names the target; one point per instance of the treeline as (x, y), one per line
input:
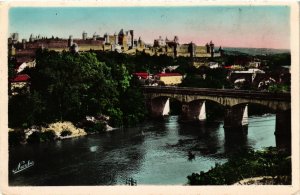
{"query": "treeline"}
(141, 62)
(69, 86)
(248, 164)
(207, 78)
(275, 61)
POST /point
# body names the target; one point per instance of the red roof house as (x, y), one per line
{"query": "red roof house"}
(21, 78)
(142, 75)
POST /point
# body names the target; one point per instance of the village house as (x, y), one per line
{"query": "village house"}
(20, 84)
(169, 78)
(141, 75)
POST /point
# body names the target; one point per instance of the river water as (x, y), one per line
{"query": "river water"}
(156, 152)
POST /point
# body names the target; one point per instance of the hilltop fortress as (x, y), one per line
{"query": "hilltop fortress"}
(123, 42)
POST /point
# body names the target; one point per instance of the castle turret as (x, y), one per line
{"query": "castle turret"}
(131, 33)
(106, 38)
(192, 49)
(212, 50)
(31, 38)
(84, 35)
(15, 37)
(175, 50)
(207, 48)
(116, 38)
(94, 36)
(70, 41)
(176, 39)
(24, 43)
(121, 36)
(140, 42)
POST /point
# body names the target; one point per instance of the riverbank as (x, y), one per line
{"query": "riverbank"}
(265, 180)
(270, 166)
(54, 131)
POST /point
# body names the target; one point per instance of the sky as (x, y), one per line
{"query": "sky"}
(234, 26)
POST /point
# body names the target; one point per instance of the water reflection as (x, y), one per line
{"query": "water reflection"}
(237, 140)
(206, 137)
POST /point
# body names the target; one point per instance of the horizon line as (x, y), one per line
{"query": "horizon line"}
(147, 43)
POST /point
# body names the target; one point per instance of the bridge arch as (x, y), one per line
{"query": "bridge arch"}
(164, 105)
(208, 100)
(234, 102)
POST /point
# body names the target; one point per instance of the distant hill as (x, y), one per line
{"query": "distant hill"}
(253, 51)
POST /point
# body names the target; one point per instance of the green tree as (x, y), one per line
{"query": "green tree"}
(73, 85)
(133, 105)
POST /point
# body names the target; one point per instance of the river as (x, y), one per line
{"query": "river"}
(154, 153)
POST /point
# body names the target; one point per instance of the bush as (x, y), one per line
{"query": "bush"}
(96, 128)
(245, 165)
(116, 116)
(276, 88)
(65, 132)
(15, 137)
(47, 136)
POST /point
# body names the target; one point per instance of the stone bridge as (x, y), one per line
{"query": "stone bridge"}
(235, 102)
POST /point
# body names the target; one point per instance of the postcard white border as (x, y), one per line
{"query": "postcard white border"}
(174, 190)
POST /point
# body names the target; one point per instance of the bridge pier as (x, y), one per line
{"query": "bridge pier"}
(236, 119)
(283, 130)
(158, 107)
(236, 114)
(193, 111)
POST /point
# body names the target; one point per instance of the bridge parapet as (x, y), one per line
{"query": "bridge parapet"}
(219, 92)
(225, 97)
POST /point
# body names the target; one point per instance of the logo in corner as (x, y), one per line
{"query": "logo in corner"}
(23, 166)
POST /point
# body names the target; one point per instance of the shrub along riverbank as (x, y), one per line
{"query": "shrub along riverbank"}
(269, 162)
(37, 134)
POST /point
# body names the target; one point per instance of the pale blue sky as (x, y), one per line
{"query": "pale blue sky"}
(243, 26)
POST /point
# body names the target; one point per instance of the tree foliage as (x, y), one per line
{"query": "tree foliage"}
(69, 86)
(270, 162)
(207, 78)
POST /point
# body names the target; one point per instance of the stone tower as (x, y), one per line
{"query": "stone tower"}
(70, 41)
(94, 36)
(84, 35)
(31, 38)
(207, 48)
(116, 38)
(212, 50)
(24, 43)
(106, 38)
(176, 40)
(131, 33)
(192, 49)
(15, 37)
(121, 37)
